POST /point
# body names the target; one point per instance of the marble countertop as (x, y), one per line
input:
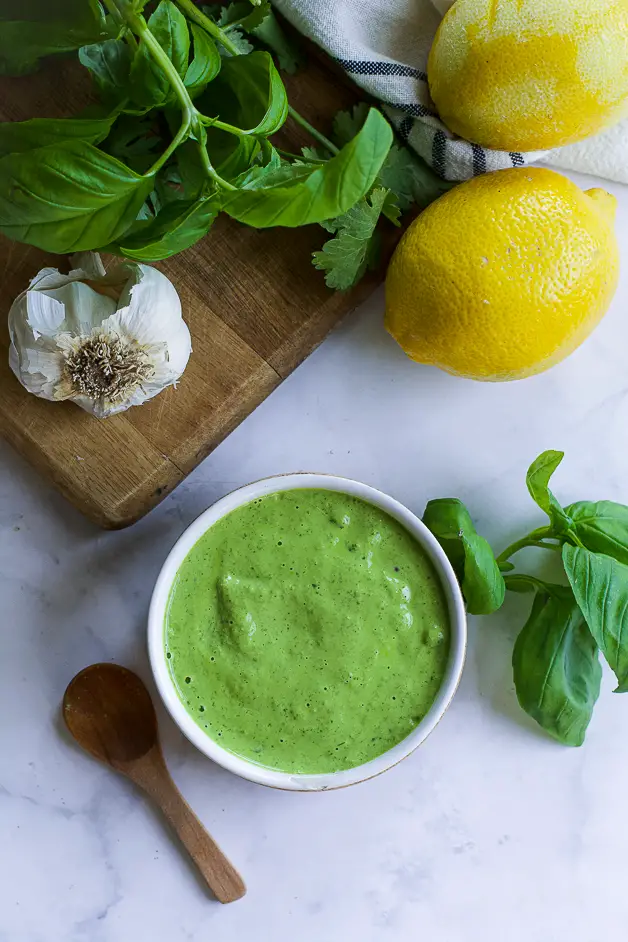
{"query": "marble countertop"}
(490, 832)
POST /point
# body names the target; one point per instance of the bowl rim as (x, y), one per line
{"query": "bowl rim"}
(246, 768)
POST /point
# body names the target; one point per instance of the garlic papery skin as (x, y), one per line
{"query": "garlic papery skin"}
(105, 340)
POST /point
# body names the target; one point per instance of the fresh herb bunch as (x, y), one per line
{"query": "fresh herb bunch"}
(188, 107)
(556, 669)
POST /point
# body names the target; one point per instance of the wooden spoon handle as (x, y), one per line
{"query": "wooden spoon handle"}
(218, 872)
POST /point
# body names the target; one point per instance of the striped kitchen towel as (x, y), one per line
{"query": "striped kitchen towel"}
(384, 45)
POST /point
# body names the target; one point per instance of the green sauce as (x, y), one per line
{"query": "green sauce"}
(307, 631)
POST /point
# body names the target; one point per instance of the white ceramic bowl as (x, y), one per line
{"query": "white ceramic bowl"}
(244, 767)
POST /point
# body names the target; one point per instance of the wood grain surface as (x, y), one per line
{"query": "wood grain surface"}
(255, 306)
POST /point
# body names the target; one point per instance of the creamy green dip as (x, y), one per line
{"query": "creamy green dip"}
(307, 631)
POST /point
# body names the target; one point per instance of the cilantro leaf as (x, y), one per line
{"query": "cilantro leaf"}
(260, 22)
(347, 123)
(315, 153)
(240, 41)
(346, 257)
(242, 15)
(229, 15)
(410, 179)
(289, 54)
(391, 208)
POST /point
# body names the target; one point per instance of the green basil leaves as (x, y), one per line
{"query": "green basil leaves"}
(205, 65)
(45, 28)
(600, 586)
(187, 111)
(109, 63)
(175, 227)
(68, 197)
(469, 553)
(19, 136)
(306, 194)
(248, 94)
(601, 526)
(556, 666)
(556, 669)
(149, 84)
(537, 479)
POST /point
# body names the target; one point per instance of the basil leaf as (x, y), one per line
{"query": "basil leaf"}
(205, 65)
(556, 669)
(176, 227)
(19, 136)
(469, 553)
(249, 94)
(109, 63)
(49, 11)
(601, 526)
(537, 479)
(191, 169)
(403, 173)
(149, 83)
(315, 194)
(45, 29)
(600, 585)
(68, 197)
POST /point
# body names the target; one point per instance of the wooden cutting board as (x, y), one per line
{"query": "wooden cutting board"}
(255, 306)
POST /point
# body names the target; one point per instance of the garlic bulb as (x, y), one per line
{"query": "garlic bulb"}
(105, 340)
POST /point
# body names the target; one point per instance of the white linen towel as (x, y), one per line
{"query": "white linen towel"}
(383, 46)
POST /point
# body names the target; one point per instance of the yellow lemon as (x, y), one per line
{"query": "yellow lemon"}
(525, 75)
(504, 276)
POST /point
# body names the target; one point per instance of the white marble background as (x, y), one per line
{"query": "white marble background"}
(489, 833)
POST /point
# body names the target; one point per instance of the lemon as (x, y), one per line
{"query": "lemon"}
(525, 75)
(504, 276)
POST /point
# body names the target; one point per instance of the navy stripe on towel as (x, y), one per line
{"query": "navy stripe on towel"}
(415, 109)
(517, 159)
(404, 129)
(362, 67)
(479, 160)
(439, 145)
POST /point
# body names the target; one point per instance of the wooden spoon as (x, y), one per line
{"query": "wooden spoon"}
(109, 712)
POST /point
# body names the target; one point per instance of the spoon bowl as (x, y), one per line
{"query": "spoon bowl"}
(110, 713)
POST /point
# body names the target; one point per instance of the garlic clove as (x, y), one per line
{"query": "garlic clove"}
(84, 308)
(45, 314)
(39, 371)
(179, 350)
(151, 291)
(155, 293)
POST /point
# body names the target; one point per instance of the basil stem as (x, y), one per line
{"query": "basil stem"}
(193, 13)
(535, 538)
(191, 117)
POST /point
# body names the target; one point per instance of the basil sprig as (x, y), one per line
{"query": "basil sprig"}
(189, 106)
(556, 667)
